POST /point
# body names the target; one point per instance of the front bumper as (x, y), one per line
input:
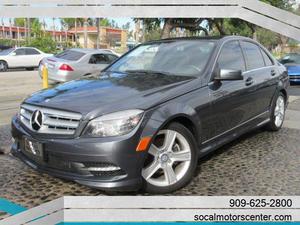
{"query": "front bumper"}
(72, 159)
(294, 78)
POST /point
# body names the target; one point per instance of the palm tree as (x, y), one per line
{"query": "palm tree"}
(25, 28)
(28, 25)
(3, 32)
(98, 33)
(75, 25)
(53, 32)
(85, 24)
(10, 28)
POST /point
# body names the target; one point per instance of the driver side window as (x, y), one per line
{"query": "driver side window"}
(20, 51)
(231, 57)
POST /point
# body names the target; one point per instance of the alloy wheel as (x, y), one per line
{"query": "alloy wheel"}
(2, 66)
(170, 159)
(279, 111)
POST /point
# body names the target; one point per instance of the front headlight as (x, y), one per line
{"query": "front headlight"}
(114, 124)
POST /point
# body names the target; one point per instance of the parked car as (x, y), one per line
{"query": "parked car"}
(152, 113)
(4, 47)
(292, 63)
(76, 63)
(23, 57)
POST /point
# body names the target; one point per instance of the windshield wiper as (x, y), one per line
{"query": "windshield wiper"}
(148, 72)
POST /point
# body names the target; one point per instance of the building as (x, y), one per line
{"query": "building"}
(109, 37)
(20, 33)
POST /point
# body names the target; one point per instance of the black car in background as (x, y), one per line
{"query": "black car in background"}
(152, 113)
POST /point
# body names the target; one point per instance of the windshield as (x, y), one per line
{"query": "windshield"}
(290, 58)
(181, 58)
(6, 51)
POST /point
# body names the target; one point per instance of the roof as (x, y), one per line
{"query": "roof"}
(202, 38)
(88, 50)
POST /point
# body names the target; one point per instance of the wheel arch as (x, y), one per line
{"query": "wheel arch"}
(3, 60)
(179, 113)
(281, 88)
(285, 94)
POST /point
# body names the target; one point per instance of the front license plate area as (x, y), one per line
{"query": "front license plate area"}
(33, 148)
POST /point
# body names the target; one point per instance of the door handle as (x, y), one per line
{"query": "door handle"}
(273, 73)
(249, 81)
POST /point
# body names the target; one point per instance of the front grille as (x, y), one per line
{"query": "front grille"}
(294, 76)
(54, 121)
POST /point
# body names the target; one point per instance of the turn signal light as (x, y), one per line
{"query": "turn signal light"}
(65, 67)
(143, 144)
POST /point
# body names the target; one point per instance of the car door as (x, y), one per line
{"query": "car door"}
(33, 57)
(262, 76)
(17, 58)
(230, 100)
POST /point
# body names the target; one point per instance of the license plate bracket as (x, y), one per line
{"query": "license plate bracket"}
(33, 148)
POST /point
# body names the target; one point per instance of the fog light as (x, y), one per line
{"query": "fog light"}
(102, 169)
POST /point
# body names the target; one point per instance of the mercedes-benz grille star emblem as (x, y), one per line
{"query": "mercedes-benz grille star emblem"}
(37, 120)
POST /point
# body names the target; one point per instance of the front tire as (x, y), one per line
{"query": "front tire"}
(277, 113)
(172, 160)
(3, 66)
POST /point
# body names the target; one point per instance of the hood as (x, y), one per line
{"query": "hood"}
(112, 92)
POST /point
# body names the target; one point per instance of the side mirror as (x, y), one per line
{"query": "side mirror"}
(225, 74)
(13, 53)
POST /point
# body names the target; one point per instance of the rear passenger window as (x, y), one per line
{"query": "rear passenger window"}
(231, 57)
(99, 59)
(31, 51)
(253, 55)
(268, 61)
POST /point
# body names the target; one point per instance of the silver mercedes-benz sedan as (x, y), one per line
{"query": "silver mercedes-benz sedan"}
(76, 63)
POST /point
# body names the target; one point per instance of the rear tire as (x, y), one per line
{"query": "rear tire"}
(172, 160)
(277, 113)
(3, 66)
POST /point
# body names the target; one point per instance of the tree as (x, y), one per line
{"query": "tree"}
(169, 24)
(70, 22)
(126, 26)
(282, 4)
(105, 22)
(19, 22)
(44, 43)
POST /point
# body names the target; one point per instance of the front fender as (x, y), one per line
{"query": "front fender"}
(165, 114)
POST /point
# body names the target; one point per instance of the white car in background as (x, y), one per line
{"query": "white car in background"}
(76, 63)
(23, 57)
